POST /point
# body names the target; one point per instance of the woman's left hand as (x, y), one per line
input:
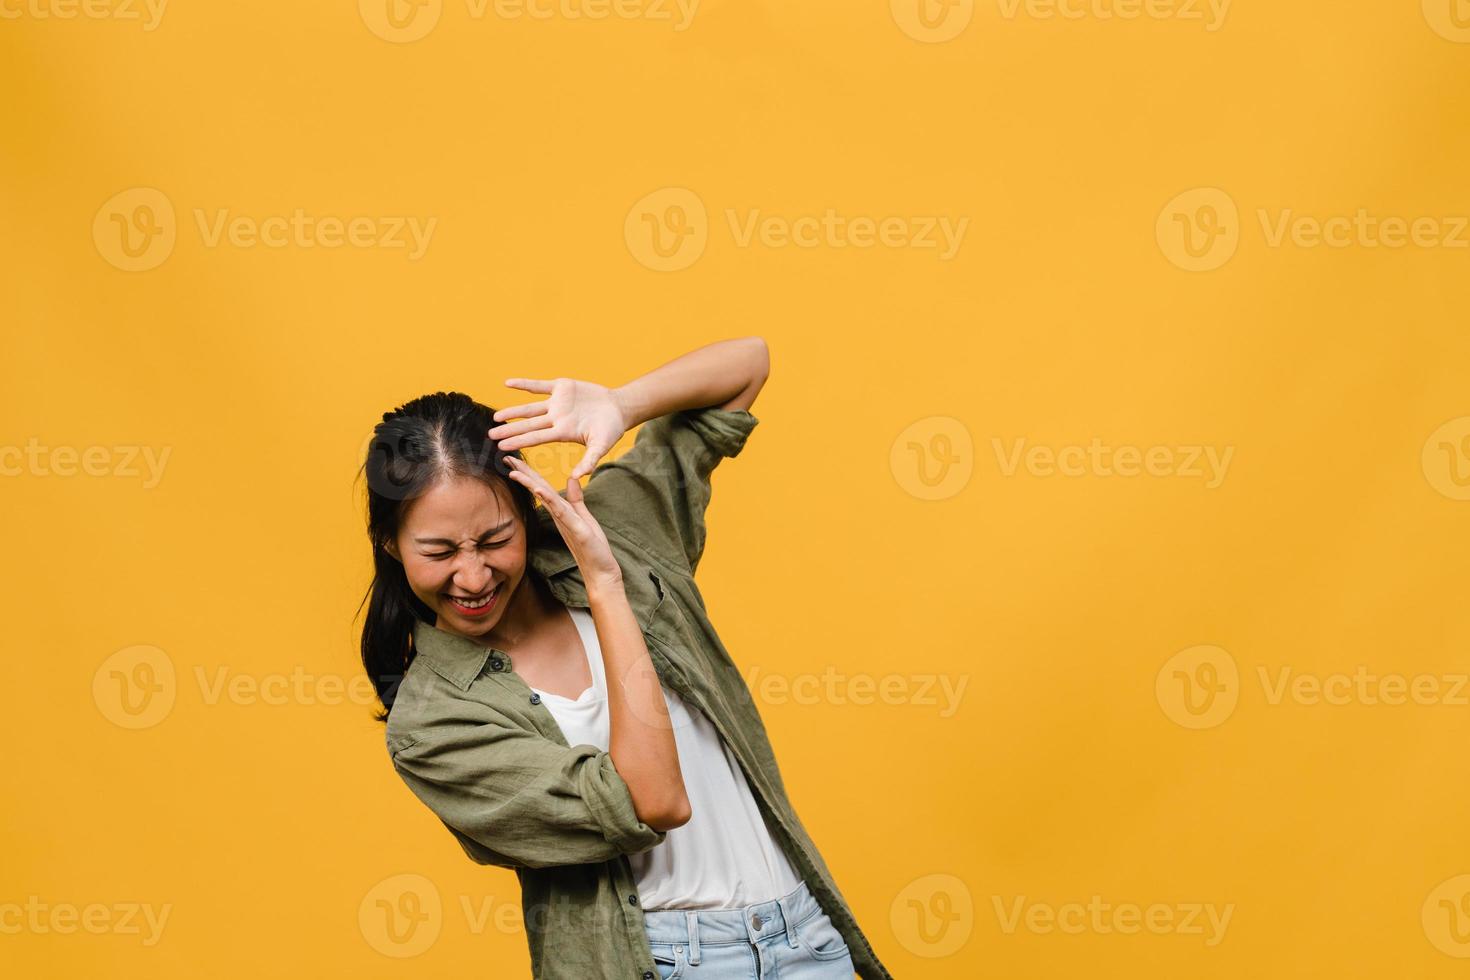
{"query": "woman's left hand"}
(573, 411)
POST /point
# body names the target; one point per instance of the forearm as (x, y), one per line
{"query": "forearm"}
(726, 373)
(641, 737)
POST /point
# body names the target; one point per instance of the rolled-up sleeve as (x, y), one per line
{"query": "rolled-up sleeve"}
(658, 491)
(526, 799)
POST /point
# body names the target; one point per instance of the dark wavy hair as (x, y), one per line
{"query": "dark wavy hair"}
(417, 445)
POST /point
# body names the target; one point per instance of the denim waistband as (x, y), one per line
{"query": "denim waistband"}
(752, 924)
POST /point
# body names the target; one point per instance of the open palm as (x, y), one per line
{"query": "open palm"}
(573, 411)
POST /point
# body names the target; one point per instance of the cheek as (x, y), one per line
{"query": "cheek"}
(422, 576)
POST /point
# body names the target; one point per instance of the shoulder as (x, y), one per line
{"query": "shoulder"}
(430, 706)
(715, 432)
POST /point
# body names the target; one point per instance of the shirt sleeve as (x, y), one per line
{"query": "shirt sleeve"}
(530, 801)
(658, 491)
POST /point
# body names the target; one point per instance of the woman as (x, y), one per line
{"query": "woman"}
(556, 695)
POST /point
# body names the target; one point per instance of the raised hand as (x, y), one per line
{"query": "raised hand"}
(573, 411)
(579, 529)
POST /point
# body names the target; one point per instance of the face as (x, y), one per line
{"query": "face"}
(463, 547)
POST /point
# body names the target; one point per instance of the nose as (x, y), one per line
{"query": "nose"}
(472, 574)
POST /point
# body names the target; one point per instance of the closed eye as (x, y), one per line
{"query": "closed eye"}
(440, 556)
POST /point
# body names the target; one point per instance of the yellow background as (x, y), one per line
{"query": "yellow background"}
(1335, 540)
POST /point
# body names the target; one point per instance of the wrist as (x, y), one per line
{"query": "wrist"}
(632, 405)
(605, 588)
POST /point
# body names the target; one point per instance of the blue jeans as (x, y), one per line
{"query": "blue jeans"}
(789, 938)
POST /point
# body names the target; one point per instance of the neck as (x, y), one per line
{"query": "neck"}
(529, 605)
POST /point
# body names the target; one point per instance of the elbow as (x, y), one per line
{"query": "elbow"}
(761, 359)
(674, 813)
(756, 370)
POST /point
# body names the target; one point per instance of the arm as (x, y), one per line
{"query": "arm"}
(641, 736)
(524, 801)
(693, 412)
(727, 374)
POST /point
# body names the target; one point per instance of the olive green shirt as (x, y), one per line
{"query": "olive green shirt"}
(476, 745)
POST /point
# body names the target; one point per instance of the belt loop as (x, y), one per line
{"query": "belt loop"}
(790, 920)
(692, 920)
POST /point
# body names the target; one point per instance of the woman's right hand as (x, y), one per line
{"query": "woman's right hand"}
(579, 529)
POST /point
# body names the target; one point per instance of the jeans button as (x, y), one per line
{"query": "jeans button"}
(756, 922)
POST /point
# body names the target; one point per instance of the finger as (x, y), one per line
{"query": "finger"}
(577, 502)
(522, 411)
(555, 505)
(529, 384)
(529, 439)
(532, 479)
(524, 425)
(587, 464)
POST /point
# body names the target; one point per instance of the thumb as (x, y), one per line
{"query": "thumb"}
(587, 464)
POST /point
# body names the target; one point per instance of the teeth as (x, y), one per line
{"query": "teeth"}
(477, 604)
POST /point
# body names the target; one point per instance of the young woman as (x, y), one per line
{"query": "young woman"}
(555, 693)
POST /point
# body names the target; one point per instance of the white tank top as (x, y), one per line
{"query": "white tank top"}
(725, 856)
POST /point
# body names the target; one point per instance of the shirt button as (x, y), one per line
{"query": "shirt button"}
(535, 699)
(632, 899)
(647, 975)
(496, 663)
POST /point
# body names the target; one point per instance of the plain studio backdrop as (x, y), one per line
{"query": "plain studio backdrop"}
(1098, 562)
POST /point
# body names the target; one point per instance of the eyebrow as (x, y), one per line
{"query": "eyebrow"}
(493, 531)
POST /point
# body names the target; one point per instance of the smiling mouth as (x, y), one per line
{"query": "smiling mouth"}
(475, 605)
